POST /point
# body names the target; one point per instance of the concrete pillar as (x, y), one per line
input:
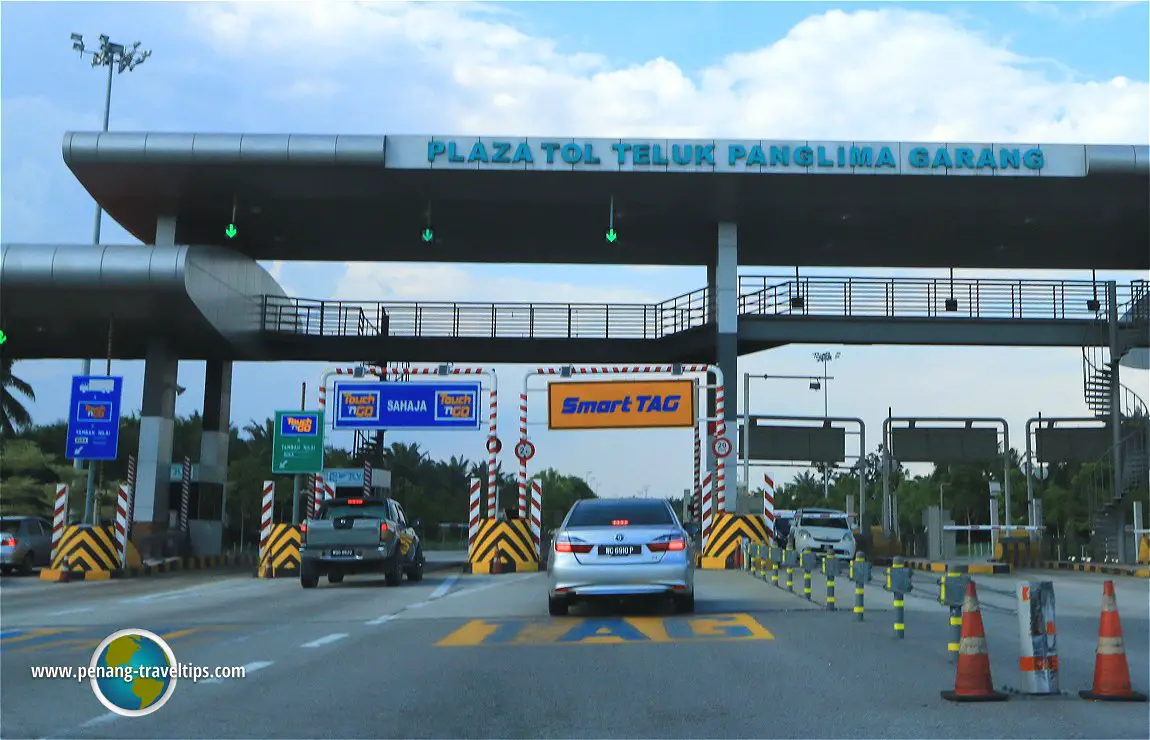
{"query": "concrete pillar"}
(1116, 409)
(166, 231)
(723, 297)
(215, 437)
(157, 425)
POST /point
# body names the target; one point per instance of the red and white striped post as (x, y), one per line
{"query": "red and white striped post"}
(318, 487)
(185, 494)
(406, 373)
(266, 517)
(769, 507)
(536, 516)
(697, 489)
(523, 462)
(122, 524)
(131, 494)
(708, 507)
(59, 517)
(475, 487)
(721, 462)
(367, 479)
(719, 428)
(492, 454)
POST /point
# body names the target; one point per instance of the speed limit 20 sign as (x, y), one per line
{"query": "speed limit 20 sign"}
(525, 450)
(721, 447)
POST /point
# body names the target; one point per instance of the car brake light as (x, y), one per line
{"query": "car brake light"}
(303, 533)
(565, 544)
(355, 502)
(619, 522)
(8, 541)
(383, 529)
(673, 544)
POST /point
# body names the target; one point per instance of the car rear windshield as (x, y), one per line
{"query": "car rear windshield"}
(829, 522)
(608, 515)
(355, 511)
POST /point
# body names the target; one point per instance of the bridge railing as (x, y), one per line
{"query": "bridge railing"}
(321, 318)
(909, 297)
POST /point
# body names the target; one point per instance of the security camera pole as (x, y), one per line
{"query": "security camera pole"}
(825, 358)
(115, 57)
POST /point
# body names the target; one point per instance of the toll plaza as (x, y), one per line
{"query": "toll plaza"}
(207, 206)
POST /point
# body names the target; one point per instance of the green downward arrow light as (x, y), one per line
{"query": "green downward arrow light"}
(428, 235)
(231, 231)
(611, 236)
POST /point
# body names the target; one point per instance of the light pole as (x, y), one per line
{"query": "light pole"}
(825, 358)
(116, 57)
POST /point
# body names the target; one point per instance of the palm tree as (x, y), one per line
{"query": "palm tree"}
(14, 416)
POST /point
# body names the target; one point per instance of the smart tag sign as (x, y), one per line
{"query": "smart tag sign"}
(420, 405)
(94, 417)
(297, 445)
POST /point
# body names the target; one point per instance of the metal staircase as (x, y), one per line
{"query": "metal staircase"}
(1110, 494)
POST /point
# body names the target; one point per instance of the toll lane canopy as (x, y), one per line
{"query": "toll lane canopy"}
(516, 199)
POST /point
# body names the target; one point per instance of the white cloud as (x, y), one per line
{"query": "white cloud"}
(386, 281)
(911, 75)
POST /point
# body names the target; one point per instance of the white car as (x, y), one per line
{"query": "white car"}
(823, 531)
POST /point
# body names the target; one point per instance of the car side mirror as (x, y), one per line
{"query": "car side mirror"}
(415, 522)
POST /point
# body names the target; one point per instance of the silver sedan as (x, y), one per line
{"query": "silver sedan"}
(620, 548)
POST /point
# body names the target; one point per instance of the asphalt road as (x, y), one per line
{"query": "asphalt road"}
(478, 656)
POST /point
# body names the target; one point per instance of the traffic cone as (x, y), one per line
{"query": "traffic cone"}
(972, 681)
(1111, 671)
(497, 563)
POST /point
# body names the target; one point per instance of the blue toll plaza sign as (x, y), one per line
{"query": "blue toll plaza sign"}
(426, 406)
(94, 417)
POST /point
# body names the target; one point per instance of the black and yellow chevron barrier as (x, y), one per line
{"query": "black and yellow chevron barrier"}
(282, 558)
(509, 541)
(726, 534)
(1136, 571)
(90, 554)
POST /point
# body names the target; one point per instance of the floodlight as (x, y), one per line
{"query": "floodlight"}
(815, 385)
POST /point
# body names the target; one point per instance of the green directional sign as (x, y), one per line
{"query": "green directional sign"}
(612, 235)
(231, 231)
(427, 235)
(297, 446)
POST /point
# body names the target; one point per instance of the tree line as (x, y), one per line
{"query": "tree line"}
(436, 491)
(1068, 492)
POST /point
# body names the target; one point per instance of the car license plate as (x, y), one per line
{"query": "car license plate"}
(345, 553)
(620, 550)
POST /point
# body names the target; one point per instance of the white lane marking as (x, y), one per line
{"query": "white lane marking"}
(70, 611)
(500, 582)
(103, 719)
(443, 588)
(381, 620)
(417, 605)
(177, 593)
(325, 640)
(249, 669)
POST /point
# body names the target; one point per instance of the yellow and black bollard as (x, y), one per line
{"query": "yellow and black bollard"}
(808, 563)
(830, 567)
(860, 574)
(952, 593)
(773, 554)
(898, 582)
(790, 560)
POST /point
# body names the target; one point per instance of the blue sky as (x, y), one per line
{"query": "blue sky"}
(1052, 73)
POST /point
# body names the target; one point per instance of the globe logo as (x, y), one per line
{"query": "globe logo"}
(133, 672)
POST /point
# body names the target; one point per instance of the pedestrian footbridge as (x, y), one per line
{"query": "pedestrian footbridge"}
(773, 311)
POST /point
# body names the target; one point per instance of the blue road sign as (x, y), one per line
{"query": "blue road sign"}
(417, 405)
(94, 417)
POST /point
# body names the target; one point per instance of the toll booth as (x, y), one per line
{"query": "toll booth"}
(349, 481)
